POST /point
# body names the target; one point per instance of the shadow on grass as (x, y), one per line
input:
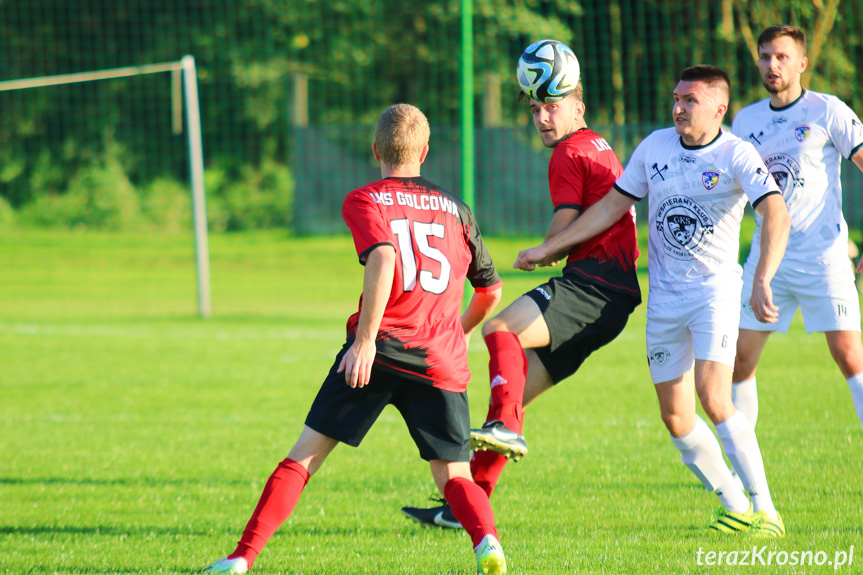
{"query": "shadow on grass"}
(102, 530)
(123, 481)
(78, 570)
(299, 529)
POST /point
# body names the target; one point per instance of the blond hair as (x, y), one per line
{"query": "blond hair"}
(400, 135)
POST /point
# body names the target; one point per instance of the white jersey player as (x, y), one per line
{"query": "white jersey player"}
(699, 180)
(802, 137)
(697, 196)
(803, 144)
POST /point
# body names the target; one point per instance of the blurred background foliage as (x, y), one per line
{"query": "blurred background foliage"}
(290, 92)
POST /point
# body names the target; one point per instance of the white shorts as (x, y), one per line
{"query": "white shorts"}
(679, 333)
(824, 291)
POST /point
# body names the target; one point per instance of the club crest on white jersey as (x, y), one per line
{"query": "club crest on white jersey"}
(686, 228)
(709, 179)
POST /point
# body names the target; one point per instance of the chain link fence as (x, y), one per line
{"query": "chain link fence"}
(290, 92)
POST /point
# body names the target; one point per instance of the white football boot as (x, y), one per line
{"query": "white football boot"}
(225, 565)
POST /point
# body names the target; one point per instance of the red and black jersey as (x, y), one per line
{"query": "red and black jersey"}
(582, 169)
(438, 244)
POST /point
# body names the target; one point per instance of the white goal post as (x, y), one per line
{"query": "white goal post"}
(186, 69)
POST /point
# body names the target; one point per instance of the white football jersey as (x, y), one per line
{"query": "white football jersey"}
(697, 196)
(802, 145)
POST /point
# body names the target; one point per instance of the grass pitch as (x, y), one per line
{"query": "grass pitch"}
(136, 438)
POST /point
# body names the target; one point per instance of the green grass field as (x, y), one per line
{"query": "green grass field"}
(136, 438)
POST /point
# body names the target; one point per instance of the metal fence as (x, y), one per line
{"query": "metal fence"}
(290, 92)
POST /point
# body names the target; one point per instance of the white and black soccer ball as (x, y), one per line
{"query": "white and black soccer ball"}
(548, 71)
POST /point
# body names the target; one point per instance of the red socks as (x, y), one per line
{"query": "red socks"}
(471, 507)
(507, 371)
(486, 466)
(468, 500)
(278, 500)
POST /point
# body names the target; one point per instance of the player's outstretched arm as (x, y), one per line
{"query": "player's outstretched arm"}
(479, 309)
(857, 158)
(774, 237)
(562, 218)
(595, 220)
(377, 285)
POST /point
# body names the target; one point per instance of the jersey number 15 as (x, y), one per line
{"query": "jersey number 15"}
(421, 233)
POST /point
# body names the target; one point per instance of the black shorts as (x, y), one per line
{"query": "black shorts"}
(438, 420)
(581, 318)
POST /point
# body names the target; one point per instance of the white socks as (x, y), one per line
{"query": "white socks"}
(702, 455)
(744, 394)
(855, 383)
(741, 446)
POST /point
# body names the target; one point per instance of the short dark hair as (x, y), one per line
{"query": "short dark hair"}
(773, 32)
(713, 76)
(577, 93)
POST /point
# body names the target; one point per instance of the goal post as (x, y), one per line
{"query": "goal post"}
(186, 69)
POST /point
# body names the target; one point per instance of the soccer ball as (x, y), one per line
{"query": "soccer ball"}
(547, 71)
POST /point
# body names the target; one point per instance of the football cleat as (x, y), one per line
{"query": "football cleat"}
(727, 521)
(440, 516)
(496, 436)
(767, 527)
(489, 557)
(225, 565)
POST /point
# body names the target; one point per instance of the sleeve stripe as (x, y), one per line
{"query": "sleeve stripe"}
(568, 206)
(855, 150)
(490, 288)
(627, 194)
(370, 249)
(758, 201)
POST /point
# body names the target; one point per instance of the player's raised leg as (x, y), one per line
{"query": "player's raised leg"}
(520, 326)
(281, 494)
(517, 376)
(486, 466)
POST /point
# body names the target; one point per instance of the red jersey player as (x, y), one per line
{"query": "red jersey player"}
(544, 336)
(407, 344)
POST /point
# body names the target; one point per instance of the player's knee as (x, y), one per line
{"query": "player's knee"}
(744, 366)
(678, 424)
(444, 471)
(848, 355)
(718, 409)
(850, 364)
(494, 325)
